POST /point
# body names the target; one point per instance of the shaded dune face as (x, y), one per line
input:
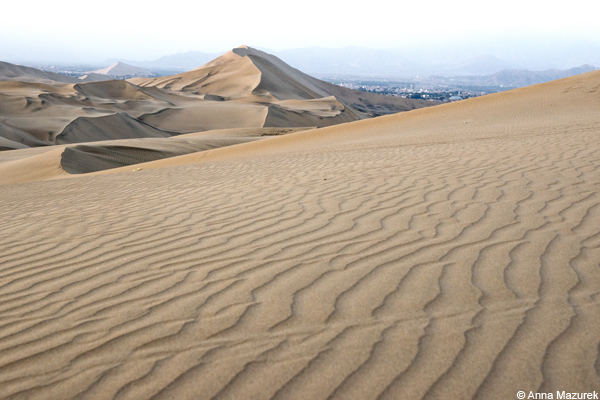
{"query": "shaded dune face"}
(16, 138)
(84, 159)
(116, 126)
(282, 116)
(403, 257)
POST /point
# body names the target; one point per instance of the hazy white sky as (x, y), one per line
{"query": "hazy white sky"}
(150, 29)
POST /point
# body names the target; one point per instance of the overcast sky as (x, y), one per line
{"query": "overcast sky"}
(145, 30)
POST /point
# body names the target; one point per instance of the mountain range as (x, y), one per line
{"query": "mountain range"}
(179, 61)
(444, 59)
(513, 78)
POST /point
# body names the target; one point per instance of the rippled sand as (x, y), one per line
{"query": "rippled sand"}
(447, 252)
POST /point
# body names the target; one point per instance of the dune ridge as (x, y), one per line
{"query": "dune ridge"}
(448, 252)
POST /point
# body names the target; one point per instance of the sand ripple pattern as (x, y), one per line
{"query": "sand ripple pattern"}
(461, 270)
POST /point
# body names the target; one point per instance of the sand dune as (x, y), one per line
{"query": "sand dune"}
(244, 88)
(61, 161)
(17, 137)
(108, 155)
(448, 252)
(119, 69)
(13, 72)
(208, 115)
(115, 126)
(245, 72)
(38, 113)
(117, 90)
(7, 144)
(94, 77)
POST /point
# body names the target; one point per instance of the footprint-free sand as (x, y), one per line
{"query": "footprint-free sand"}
(449, 252)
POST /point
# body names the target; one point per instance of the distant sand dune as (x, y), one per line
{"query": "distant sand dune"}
(13, 72)
(121, 69)
(449, 252)
(244, 88)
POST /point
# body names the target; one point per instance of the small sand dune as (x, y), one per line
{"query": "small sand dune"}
(122, 69)
(14, 138)
(7, 144)
(118, 90)
(115, 126)
(94, 157)
(443, 253)
(69, 160)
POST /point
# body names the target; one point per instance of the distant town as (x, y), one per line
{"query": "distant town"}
(430, 88)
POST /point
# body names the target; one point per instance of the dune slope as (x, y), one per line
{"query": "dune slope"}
(450, 252)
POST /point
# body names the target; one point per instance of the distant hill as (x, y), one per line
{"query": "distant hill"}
(179, 61)
(348, 60)
(514, 78)
(185, 61)
(351, 60)
(480, 65)
(354, 60)
(120, 69)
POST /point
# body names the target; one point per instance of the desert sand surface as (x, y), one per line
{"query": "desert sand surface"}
(444, 252)
(244, 88)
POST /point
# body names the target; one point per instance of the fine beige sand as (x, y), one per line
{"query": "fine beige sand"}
(450, 252)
